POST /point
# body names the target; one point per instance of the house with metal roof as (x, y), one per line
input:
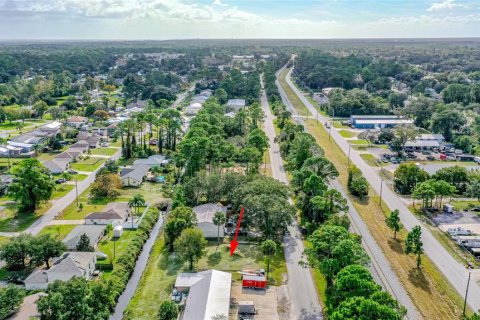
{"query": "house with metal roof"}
(208, 294)
(115, 213)
(94, 234)
(205, 214)
(235, 104)
(64, 268)
(134, 176)
(152, 161)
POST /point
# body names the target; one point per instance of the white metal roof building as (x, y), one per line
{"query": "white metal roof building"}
(205, 214)
(209, 294)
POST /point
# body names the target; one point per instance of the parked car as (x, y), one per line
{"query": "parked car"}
(426, 152)
(394, 160)
(411, 156)
(61, 180)
(385, 160)
(71, 171)
(431, 158)
(105, 144)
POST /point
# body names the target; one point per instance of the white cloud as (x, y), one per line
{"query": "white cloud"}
(218, 3)
(445, 5)
(429, 20)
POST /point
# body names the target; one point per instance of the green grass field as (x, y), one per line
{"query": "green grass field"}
(347, 133)
(88, 165)
(106, 246)
(302, 110)
(58, 231)
(11, 221)
(61, 190)
(104, 151)
(161, 271)
(359, 142)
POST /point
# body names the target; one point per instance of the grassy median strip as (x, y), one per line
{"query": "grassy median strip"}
(294, 99)
(431, 293)
(423, 286)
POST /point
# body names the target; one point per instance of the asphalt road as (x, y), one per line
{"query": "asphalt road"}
(60, 204)
(303, 295)
(454, 271)
(381, 269)
(132, 284)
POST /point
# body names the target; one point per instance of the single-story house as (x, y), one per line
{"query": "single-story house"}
(82, 136)
(205, 214)
(193, 109)
(115, 213)
(76, 121)
(152, 161)
(235, 104)
(378, 121)
(81, 145)
(137, 104)
(56, 166)
(24, 147)
(208, 294)
(64, 268)
(6, 150)
(70, 154)
(93, 141)
(94, 233)
(134, 176)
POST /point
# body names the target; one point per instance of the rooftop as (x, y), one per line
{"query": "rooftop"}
(94, 233)
(209, 294)
(205, 212)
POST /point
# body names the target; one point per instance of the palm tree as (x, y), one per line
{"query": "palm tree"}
(137, 201)
(219, 219)
(108, 229)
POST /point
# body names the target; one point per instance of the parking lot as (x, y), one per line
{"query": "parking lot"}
(265, 302)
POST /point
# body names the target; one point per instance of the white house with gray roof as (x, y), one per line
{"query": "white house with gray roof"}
(134, 176)
(205, 214)
(94, 234)
(64, 268)
(115, 213)
(235, 104)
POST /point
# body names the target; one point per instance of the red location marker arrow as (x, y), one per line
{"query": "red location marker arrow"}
(234, 242)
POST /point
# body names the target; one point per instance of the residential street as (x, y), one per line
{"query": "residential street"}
(60, 204)
(454, 271)
(301, 287)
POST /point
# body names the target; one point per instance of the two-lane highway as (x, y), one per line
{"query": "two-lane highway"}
(301, 287)
(454, 271)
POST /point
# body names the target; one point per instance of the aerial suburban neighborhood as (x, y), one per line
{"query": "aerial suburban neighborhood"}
(241, 177)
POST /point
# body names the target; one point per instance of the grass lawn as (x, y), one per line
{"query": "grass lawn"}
(10, 221)
(339, 125)
(320, 282)
(106, 246)
(61, 190)
(3, 240)
(347, 133)
(45, 156)
(104, 151)
(151, 192)
(424, 285)
(372, 161)
(157, 281)
(461, 205)
(79, 177)
(358, 141)
(58, 231)
(88, 165)
(302, 110)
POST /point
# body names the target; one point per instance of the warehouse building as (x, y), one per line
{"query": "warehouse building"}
(378, 121)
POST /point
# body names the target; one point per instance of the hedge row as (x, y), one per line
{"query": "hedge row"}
(118, 279)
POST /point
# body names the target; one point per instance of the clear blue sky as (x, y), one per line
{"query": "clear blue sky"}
(181, 19)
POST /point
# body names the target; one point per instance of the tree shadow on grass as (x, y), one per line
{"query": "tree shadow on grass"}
(214, 258)
(169, 262)
(418, 279)
(396, 245)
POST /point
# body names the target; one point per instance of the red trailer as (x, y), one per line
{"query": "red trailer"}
(254, 281)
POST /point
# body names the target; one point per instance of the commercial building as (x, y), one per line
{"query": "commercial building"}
(378, 121)
(208, 294)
